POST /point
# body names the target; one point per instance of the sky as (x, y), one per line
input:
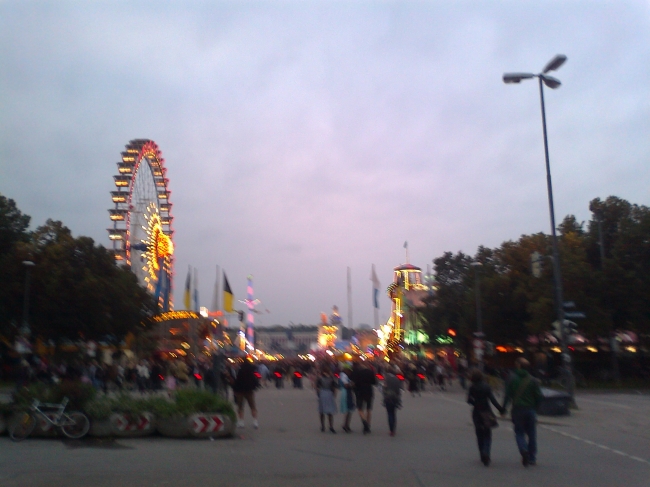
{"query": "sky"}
(305, 137)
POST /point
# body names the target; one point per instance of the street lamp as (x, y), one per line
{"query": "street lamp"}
(549, 81)
(25, 328)
(479, 319)
(598, 213)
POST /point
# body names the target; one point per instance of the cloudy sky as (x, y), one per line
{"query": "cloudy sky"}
(305, 137)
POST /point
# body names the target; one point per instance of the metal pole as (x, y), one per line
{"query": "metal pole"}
(612, 345)
(559, 300)
(350, 322)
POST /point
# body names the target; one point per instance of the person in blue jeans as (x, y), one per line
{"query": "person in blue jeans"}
(525, 394)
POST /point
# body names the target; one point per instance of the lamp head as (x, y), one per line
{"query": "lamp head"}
(550, 81)
(555, 63)
(516, 77)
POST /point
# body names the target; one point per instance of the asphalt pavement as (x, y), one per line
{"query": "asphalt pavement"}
(604, 443)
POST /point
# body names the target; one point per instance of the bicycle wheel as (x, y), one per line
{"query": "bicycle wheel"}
(22, 426)
(75, 425)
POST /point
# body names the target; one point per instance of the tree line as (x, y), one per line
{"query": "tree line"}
(609, 283)
(76, 290)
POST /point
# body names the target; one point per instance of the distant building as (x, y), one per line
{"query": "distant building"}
(287, 340)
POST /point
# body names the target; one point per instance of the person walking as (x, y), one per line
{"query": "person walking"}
(243, 388)
(525, 394)
(347, 397)
(392, 397)
(480, 396)
(364, 379)
(413, 379)
(326, 392)
(440, 376)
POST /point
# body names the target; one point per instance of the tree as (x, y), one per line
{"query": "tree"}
(79, 292)
(13, 237)
(449, 309)
(514, 303)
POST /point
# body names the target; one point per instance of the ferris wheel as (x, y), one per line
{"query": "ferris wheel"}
(142, 231)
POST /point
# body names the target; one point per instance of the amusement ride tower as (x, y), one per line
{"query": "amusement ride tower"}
(406, 293)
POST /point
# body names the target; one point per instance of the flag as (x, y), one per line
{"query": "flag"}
(187, 296)
(375, 287)
(406, 244)
(195, 296)
(228, 296)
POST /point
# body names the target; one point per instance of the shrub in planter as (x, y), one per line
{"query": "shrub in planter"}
(191, 401)
(99, 411)
(78, 393)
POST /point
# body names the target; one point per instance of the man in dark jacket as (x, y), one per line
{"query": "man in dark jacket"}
(525, 394)
(364, 379)
(244, 389)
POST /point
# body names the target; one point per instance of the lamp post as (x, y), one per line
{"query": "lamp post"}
(551, 82)
(25, 328)
(479, 318)
(598, 213)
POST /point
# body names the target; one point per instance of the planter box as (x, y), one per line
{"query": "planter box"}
(100, 428)
(207, 425)
(200, 425)
(174, 427)
(131, 425)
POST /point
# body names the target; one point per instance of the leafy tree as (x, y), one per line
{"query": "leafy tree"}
(13, 237)
(515, 303)
(79, 292)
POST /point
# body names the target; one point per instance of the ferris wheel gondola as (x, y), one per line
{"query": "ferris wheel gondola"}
(142, 220)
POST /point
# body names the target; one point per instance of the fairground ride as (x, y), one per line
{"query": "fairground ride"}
(142, 220)
(407, 293)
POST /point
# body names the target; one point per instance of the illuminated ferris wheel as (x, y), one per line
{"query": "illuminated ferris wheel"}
(142, 231)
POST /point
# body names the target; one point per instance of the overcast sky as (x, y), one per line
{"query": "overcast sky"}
(305, 137)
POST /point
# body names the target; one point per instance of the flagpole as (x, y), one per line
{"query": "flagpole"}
(350, 323)
(215, 295)
(375, 295)
(195, 294)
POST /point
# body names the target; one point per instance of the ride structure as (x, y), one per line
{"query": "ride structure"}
(142, 233)
(247, 333)
(407, 293)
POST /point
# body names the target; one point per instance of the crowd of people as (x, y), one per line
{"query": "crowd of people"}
(340, 387)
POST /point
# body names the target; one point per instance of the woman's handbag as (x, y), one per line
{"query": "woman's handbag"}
(488, 419)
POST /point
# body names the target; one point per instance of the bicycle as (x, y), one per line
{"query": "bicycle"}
(72, 424)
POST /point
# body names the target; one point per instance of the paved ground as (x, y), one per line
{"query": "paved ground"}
(606, 443)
